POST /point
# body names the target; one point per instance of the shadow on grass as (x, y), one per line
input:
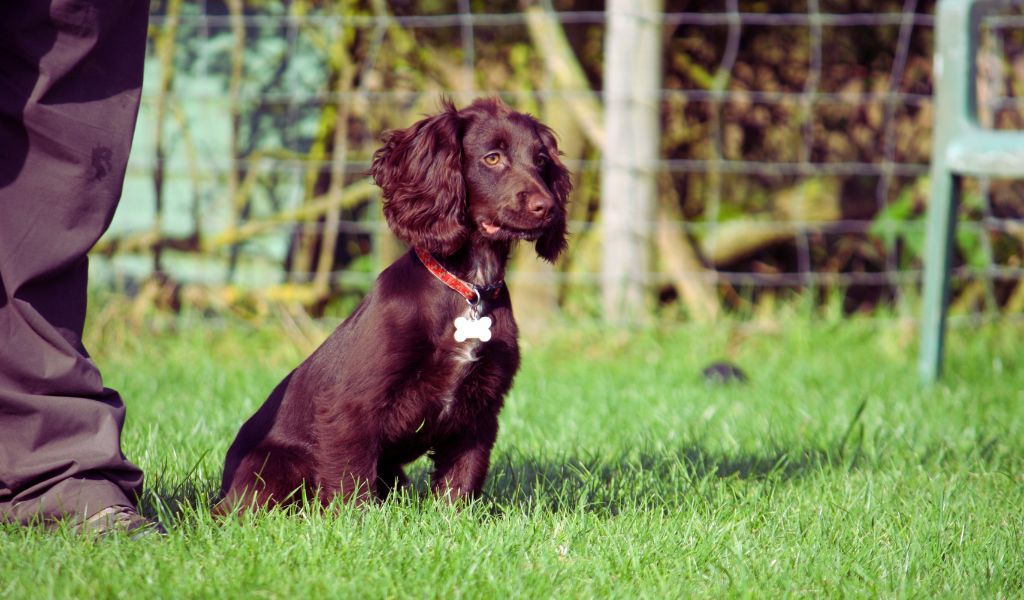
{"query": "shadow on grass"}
(644, 478)
(657, 477)
(170, 499)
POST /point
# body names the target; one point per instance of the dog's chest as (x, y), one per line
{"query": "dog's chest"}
(459, 383)
(461, 359)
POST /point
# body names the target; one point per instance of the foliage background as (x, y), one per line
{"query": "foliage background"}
(794, 161)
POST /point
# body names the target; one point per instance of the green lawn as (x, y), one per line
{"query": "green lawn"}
(617, 473)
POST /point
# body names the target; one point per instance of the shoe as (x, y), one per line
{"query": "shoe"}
(121, 519)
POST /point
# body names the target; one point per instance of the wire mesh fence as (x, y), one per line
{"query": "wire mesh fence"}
(794, 146)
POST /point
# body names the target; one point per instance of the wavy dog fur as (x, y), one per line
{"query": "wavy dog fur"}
(391, 383)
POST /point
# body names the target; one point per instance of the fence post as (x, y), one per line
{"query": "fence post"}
(632, 100)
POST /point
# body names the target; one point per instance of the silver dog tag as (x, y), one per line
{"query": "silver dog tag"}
(476, 328)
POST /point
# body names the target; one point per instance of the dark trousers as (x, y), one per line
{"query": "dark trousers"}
(70, 78)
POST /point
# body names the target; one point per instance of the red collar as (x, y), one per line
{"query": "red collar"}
(473, 294)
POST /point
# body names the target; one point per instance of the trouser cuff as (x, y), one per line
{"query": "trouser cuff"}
(75, 499)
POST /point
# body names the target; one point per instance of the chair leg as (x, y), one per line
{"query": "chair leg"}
(938, 258)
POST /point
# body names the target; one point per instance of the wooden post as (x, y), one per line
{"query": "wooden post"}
(632, 100)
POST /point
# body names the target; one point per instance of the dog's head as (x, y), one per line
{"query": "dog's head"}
(484, 170)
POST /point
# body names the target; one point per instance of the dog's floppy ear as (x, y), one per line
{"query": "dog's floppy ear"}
(419, 170)
(552, 242)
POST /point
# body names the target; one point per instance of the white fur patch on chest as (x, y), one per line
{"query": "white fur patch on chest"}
(465, 354)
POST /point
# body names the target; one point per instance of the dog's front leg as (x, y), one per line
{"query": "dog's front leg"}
(461, 463)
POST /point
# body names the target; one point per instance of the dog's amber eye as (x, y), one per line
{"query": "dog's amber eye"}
(492, 159)
(540, 161)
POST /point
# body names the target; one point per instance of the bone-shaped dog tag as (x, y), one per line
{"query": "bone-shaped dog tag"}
(477, 328)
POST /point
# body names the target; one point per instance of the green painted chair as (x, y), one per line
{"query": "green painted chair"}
(960, 147)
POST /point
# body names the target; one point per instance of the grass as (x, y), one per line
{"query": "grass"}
(617, 473)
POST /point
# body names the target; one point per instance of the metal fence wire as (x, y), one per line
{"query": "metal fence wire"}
(793, 150)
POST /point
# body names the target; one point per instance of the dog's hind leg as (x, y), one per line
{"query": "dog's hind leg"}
(267, 476)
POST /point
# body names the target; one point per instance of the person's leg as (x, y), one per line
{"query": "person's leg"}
(70, 79)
